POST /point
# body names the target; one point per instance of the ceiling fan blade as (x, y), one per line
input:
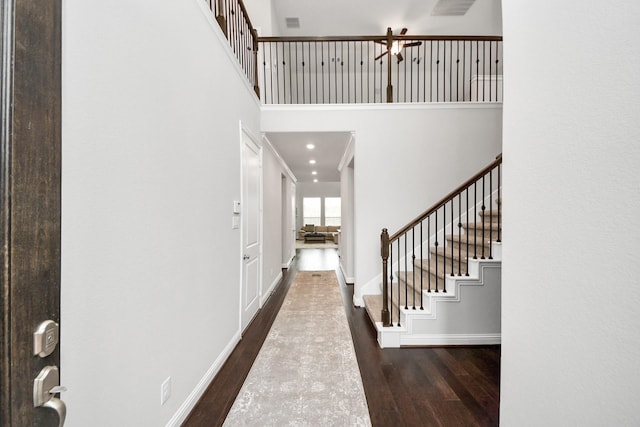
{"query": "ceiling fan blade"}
(412, 44)
(403, 32)
(381, 55)
(400, 58)
(380, 42)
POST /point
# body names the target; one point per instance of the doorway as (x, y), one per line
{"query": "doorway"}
(251, 231)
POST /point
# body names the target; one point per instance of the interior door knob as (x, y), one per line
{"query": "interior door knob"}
(45, 386)
(58, 406)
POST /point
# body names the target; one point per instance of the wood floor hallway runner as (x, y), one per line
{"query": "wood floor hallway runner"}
(306, 373)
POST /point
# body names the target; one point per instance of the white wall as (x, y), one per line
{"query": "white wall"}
(261, 16)
(151, 165)
(570, 341)
(278, 241)
(404, 156)
(347, 224)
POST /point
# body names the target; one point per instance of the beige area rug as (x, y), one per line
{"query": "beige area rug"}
(300, 244)
(306, 373)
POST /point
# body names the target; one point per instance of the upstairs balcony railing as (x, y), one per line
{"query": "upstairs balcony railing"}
(348, 70)
(362, 69)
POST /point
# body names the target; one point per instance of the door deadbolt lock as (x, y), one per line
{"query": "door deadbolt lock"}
(45, 338)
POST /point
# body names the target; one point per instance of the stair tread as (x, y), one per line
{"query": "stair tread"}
(443, 263)
(409, 280)
(472, 238)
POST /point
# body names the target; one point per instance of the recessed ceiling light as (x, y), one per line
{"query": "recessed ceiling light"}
(311, 146)
(314, 173)
(312, 162)
(315, 180)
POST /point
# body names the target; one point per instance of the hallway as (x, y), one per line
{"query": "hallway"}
(448, 386)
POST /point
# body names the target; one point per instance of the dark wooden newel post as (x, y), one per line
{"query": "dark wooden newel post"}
(389, 55)
(384, 251)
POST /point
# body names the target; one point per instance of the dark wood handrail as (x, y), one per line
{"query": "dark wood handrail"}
(375, 38)
(445, 199)
(246, 16)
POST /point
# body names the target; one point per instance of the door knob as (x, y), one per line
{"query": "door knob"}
(45, 386)
(245, 257)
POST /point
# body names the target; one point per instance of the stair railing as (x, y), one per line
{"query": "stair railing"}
(233, 19)
(363, 69)
(468, 200)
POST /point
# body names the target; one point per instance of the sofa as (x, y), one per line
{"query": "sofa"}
(330, 232)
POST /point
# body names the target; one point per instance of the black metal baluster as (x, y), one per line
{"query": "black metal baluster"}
(459, 234)
(497, 64)
(477, 71)
(413, 265)
(444, 248)
(303, 69)
(361, 74)
(310, 74)
(484, 66)
(453, 235)
(438, 72)
(457, 70)
(499, 204)
(475, 220)
(431, 73)
(491, 208)
(411, 73)
(483, 207)
(429, 249)
(277, 66)
(406, 274)
(322, 65)
(368, 72)
(450, 70)
(290, 77)
(335, 68)
(490, 73)
(264, 72)
(424, 72)
(467, 230)
(399, 297)
(436, 245)
(421, 270)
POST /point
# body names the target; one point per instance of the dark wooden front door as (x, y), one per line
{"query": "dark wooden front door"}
(30, 172)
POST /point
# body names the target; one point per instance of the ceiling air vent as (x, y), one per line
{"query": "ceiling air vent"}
(292, 22)
(451, 7)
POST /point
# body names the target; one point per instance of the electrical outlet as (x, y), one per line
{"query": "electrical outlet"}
(165, 390)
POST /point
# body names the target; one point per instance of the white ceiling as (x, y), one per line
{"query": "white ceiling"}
(358, 17)
(328, 151)
(372, 17)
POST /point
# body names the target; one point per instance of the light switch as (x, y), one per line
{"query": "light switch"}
(236, 206)
(235, 222)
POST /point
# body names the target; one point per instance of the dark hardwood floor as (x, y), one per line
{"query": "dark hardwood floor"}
(440, 386)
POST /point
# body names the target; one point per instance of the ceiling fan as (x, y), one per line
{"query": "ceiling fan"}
(396, 45)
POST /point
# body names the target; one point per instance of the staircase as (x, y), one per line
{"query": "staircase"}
(445, 294)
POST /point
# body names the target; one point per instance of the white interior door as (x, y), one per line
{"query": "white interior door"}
(251, 183)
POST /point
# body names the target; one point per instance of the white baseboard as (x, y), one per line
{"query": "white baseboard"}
(287, 264)
(347, 279)
(450, 339)
(267, 293)
(187, 406)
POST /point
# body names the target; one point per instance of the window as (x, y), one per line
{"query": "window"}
(311, 210)
(332, 212)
